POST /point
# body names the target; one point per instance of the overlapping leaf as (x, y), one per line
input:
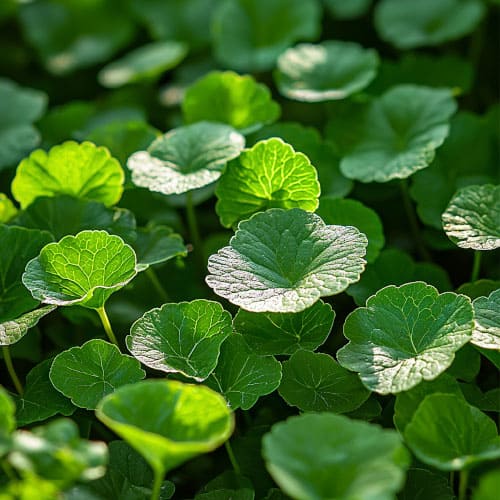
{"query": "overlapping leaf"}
(486, 333)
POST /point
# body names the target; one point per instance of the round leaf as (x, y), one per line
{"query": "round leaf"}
(186, 158)
(226, 97)
(472, 219)
(408, 24)
(84, 269)
(285, 333)
(81, 170)
(405, 335)
(197, 421)
(269, 175)
(285, 260)
(486, 333)
(449, 434)
(326, 71)
(399, 134)
(242, 376)
(88, 373)
(184, 337)
(316, 382)
(322, 455)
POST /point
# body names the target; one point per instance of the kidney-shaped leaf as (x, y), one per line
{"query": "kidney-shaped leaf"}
(449, 434)
(399, 134)
(184, 337)
(84, 269)
(226, 97)
(322, 455)
(81, 170)
(167, 422)
(285, 260)
(88, 373)
(405, 335)
(269, 175)
(186, 158)
(486, 333)
(472, 219)
(325, 71)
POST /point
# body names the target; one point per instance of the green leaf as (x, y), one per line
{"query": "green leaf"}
(394, 267)
(304, 453)
(479, 288)
(226, 97)
(325, 71)
(242, 376)
(269, 175)
(316, 382)
(407, 24)
(84, 269)
(186, 158)
(20, 108)
(227, 486)
(56, 452)
(405, 335)
(449, 434)
(466, 364)
(7, 420)
(12, 331)
(399, 134)
(144, 63)
(285, 333)
(7, 209)
(88, 373)
(184, 337)
(488, 487)
(354, 213)
(472, 219)
(486, 333)
(40, 400)
(197, 421)
(19, 245)
(421, 483)
(249, 35)
(285, 260)
(80, 170)
(341, 9)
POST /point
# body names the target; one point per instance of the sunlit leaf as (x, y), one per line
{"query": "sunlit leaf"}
(486, 333)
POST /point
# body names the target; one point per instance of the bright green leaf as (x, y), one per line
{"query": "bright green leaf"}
(7, 209)
(184, 337)
(316, 382)
(242, 376)
(7, 420)
(81, 170)
(285, 260)
(486, 333)
(489, 485)
(405, 335)
(269, 175)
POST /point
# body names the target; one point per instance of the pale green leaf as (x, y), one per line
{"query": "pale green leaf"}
(486, 333)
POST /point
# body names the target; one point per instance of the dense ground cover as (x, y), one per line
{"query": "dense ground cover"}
(249, 249)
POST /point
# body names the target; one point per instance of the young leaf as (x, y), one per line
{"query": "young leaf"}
(197, 421)
(7, 209)
(316, 382)
(80, 170)
(184, 337)
(285, 333)
(249, 35)
(325, 71)
(88, 373)
(472, 219)
(399, 134)
(84, 269)
(285, 260)
(354, 213)
(144, 63)
(365, 460)
(449, 434)
(486, 333)
(226, 97)
(186, 158)
(242, 376)
(269, 175)
(405, 335)
(407, 24)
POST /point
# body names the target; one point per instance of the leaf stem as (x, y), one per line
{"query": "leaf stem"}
(476, 266)
(157, 481)
(107, 325)
(12, 371)
(194, 231)
(232, 458)
(462, 486)
(412, 219)
(153, 277)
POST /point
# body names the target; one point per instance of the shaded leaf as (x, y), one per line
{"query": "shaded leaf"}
(423, 484)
